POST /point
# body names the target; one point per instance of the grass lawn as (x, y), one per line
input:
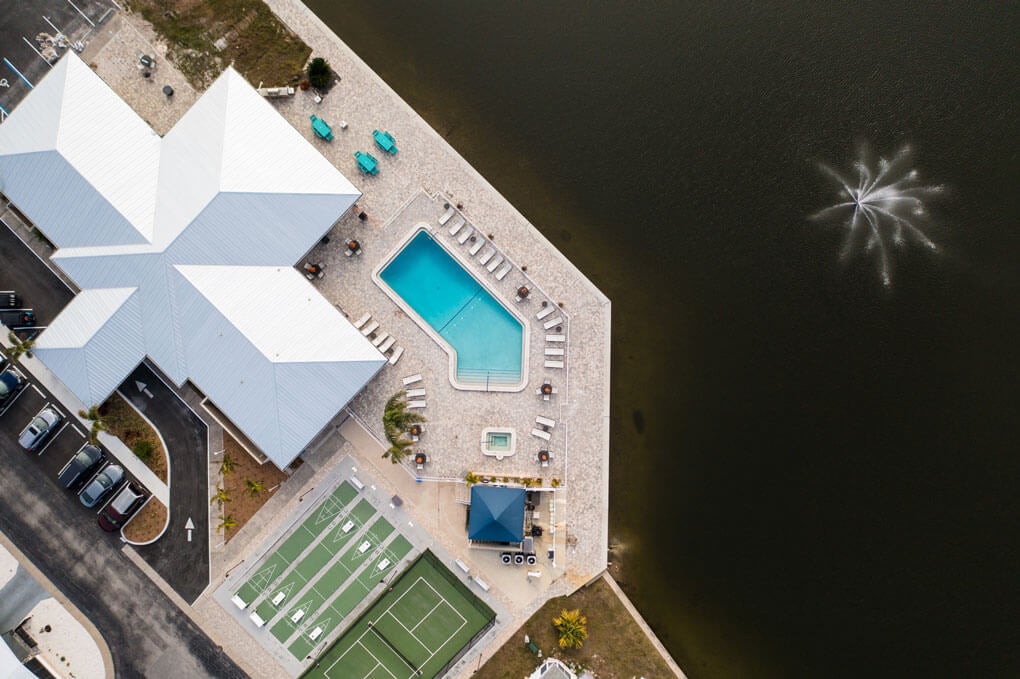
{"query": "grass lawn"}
(204, 36)
(616, 646)
(243, 503)
(124, 422)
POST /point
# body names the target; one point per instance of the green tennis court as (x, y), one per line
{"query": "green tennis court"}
(418, 628)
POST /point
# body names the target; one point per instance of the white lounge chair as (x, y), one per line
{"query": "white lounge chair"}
(553, 323)
(411, 379)
(555, 338)
(278, 599)
(315, 634)
(446, 216)
(385, 346)
(415, 393)
(456, 226)
(545, 311)
(541, 434)
(362, 321)
(487, 255)
(395, 356)
(380, 338)
(370, 328)
(554, 364)
(476, 247)
(501, 274)
(496, 261)
(554, 351)
(545, 421)
(416, 404)
(464, 235)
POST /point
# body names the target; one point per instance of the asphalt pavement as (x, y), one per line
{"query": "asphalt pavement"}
(183, 563)
(24, 273)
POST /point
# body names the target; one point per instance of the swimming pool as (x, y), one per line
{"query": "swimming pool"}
(484, 339)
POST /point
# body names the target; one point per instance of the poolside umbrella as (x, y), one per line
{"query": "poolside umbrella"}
(419, 458)
(523, 291)
(543, 456)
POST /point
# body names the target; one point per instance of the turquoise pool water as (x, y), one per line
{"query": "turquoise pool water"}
(487, 339)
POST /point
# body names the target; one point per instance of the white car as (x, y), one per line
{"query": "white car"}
(41, 426)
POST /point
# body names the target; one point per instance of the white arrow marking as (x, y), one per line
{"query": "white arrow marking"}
(142, 387)
(189, 526)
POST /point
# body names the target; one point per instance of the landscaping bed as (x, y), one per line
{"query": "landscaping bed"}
(147, 523)
(204, 36)
(124, 422)
(244, 501)
(616, 647)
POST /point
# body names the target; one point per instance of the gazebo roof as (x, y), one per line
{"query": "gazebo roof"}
(497, 514)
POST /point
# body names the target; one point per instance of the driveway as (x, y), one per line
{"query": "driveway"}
(183, 564)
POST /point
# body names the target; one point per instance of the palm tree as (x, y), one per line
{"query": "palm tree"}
(471, 478)
(226, 523)
(571, 627)
(228, 464)
(19, 347)
(98, 423)
(220, 497)
(397, 421)
(254, 487)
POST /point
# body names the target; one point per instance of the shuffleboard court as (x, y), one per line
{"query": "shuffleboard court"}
(421, 625)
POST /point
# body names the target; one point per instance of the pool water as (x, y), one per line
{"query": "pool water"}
(498, 441)
(486, 339)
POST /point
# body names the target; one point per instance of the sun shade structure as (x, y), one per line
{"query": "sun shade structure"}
(497, 514)
(183, 248)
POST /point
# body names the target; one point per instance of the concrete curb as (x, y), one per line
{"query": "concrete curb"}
(644, 626)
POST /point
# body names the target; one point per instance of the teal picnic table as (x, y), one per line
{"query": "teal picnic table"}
(385, 141)
(321, 128)
(367, 163)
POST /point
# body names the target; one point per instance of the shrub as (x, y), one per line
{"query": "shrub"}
(144, 448)
(319, 73)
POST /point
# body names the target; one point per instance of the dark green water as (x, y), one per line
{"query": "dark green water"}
(812, 476)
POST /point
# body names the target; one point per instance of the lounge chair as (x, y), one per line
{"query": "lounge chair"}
(464, 235)
(395, 356)
(416, 404)
(385, 346)
(545, 421)
(554, 364)
(456, 226)
(476, 247)
(545, 311)
(541, 434)
(487, 255)
(370, 328)
(555, 338)
(553, 323)
(501, 274)
(496, 261)
(415, 393)
(362, 321)
(446, 215)
(554, 351)
(380, 338)
(411, 379)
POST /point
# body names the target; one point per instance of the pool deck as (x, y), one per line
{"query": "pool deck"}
(412, 188)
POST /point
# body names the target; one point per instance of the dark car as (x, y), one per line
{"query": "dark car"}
(121, 507)
(84, 461)
(40, 428)
(101, 484)
(11, 382)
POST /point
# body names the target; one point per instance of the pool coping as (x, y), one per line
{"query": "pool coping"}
(431, 332)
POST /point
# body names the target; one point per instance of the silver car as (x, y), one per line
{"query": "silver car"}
(101, 484)
(41, 426)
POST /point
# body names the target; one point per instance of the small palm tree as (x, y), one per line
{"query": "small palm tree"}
(20, 347)
(226, 523)
(397, 421)
(571, 627)
(98, 423)
(471, 478)
(254, 487)
(227, 464)
(220, 497)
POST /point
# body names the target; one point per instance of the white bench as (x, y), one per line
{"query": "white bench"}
(357, 484)
(463, 566)
(481, 583)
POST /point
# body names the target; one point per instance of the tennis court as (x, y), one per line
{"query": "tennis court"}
(418, 628)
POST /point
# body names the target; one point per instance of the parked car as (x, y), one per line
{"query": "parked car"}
(101, 484)
(121, 507)
(40, 428)
(11, 382)
(82, 462)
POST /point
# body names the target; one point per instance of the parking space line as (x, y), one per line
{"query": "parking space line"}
(37, 389)
(11, 66)
(52, 439)
(91, 23)
(13, 401)
(80, 432)
(29, 43)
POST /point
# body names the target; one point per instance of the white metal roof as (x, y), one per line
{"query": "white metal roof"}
(184, 249)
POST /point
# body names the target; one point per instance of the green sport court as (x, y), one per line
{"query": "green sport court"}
(322, 571)
(419, 627)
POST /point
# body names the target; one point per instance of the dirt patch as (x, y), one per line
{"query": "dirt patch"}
(203, 37)
(124, 422)
(147, 523)
(616, 647)
(243, 498)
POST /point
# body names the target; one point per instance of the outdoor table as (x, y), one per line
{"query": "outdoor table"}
(367, 163)
(353, 248)
(522, 292)
(321, 128)
(385, 141)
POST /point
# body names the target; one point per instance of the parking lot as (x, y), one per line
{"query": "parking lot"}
(24, 47)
